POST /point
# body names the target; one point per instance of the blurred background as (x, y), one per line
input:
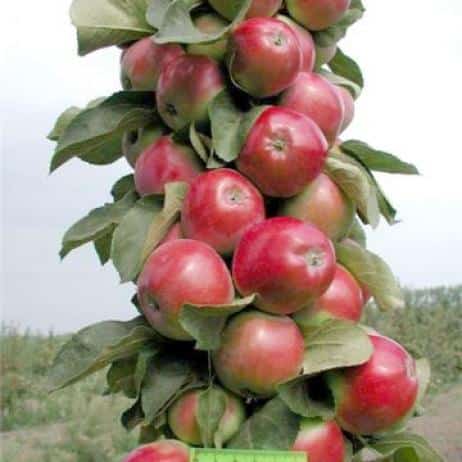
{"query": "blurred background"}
(410, 53)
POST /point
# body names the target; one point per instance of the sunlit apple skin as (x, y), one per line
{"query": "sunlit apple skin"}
(219, 206)
(286, 262)
(314, 96)
(229, 9)
(317, 14)
(283, 152)
(136, 141)
(306, 42)
(143, 61)
(182, 417)
(321, 441)
(264, 56)
(323, 204)
(163, 162)
(258, 351)
(210, 23)
(179, 272)
(349, 107)
(160, 451)
(185, 89)
(376, 396)
(342, 300)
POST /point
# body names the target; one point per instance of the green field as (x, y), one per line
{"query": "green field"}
(79, 424)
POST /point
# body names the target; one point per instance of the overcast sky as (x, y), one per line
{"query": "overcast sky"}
(411, 55)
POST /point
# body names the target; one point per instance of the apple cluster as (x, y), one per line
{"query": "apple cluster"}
(262, 226)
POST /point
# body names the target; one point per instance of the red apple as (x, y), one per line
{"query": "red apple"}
(163, 162)
(185, 89)
(258, 352)
(264, 56)
(321, 441)
(160, 451)
(376, 396)
(143, 61)
(180, 272)
(306, 42)
(173, 234)
(210, 23)
(286, 262)
(342, 300)
(136, 141)
(323, 204)
(283, 152)
(182, 417)
(229, 9)
(219, 206)
(317, 14)
(349, 107)
(314, 96)
(324, 55)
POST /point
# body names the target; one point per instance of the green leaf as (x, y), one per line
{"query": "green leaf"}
(143, 228)
(120, 377)
(197, 142)
(206, 323)
(178, 26)
(145, 357)
(230, 126)
(95, 347)
(358, 234)
(335, 344)
(299, 397)
(97, 132)
(123, 186)
(63, 122)
(424, 373)
(334, 33)
(103, 248)
(356, 183)
(211, 409)
(158, 8)
(133, 416)
(371, 271)
(166, 376)
(379, 161)
(274, 426)
(97, 224)
(346, 67)
(109, 22)
(405, 447)
(339, 80)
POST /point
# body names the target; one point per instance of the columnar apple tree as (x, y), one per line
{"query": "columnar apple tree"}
(240, 224)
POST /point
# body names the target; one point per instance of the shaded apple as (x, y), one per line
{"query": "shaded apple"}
(378, 395)
(134, 142)
(258, 351)
(342, 300)
(210, 23)
(183, 421)
(323, 204)
(179, 272)
(264, 56)
(160, 451)
(321, 441)
(163, 162)
(306, 42)
(286, 262)
(229, 9)
(314, 96)
(349, 107)
(283, 152)
(219, 206)
(143, 61)
(317, 14)
(185, 89)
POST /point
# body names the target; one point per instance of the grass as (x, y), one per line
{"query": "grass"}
(78, 424)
